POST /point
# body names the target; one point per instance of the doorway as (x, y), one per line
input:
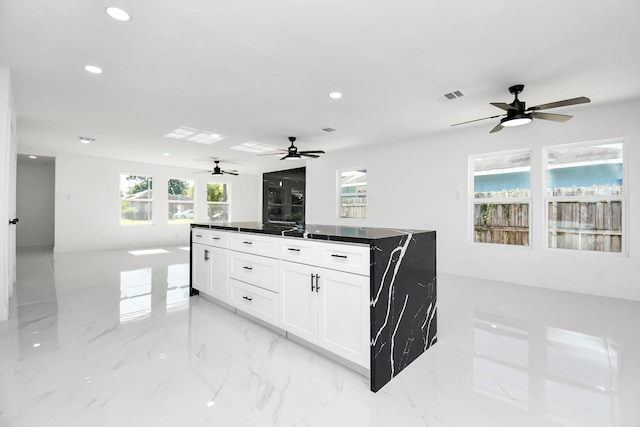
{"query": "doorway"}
(35, 201)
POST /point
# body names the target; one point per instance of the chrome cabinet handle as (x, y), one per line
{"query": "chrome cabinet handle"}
(248, 243)
(215, 238)
(198, 235)
(247, 268)
(206, 255)
(248, 298)
(293, 249)
(317, 285)
(339, 256)
(312, 276)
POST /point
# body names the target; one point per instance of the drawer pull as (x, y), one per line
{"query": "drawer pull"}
(198, 235)
(206, 255)
(247, 268)
(317, 284)
(293, 249)
(215, 238)
(247, 243)
(312, 276)
(339, 256)
(248, 298)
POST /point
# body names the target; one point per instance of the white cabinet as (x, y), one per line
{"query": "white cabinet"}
(298, 300)
(326, 307)
(209, 274)
(343, 315)
(318, 291)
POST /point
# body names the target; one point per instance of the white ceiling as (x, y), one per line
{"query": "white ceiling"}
(255, 70)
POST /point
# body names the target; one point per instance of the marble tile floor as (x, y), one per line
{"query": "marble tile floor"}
(111, 339)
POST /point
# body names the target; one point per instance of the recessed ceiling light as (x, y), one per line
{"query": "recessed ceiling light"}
(117, 13)
(335, 95)
(33, 157)
(166, 154)
(93, 69)
(86, 140)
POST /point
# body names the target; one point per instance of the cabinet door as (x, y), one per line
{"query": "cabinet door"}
(218, 273)
(343, 315)
(298, 302)
(200, 265)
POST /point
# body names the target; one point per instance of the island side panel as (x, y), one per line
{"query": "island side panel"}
(403, 303)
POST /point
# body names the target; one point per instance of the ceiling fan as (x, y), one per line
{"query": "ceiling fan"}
(292, 152)
(517, 114)
(217, 171)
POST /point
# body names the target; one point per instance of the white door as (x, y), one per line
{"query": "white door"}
(8, 161)
(343, 315)
(298, 300)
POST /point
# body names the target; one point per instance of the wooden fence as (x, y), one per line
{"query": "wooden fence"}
(506, 223)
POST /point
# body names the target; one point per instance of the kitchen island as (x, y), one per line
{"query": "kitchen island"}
(366, 295)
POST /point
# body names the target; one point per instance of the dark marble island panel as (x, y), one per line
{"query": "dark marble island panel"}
(403, 309)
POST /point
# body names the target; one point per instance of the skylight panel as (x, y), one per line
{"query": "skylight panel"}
(195, 135)
(255, 147)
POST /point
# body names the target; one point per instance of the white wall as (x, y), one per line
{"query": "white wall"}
(87, 206)
(425, 184)
(35, 202)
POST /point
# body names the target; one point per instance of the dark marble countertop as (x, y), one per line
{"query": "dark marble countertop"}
(313, 231)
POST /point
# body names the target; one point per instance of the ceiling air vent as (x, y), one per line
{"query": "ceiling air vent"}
(452, 95)
(329, 129)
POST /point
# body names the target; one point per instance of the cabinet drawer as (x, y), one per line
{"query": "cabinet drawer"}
(254, 244)
(256, 301)
(298, 250)
(256, 270)
(218, 238)
(200, 235)
(349, 258)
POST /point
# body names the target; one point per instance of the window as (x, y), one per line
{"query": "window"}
(180, 194)
(217, 202)
(135, 199)
(502, 198)
(353, 193)
(585, 197)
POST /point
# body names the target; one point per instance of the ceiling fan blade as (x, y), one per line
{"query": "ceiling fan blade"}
(230, 172)
(311, 152)
(203, 172)
(497, 128)
(279, 153)
(572, 101)
(503, 105)
(477, 120)
(550, 116)
(306, 154)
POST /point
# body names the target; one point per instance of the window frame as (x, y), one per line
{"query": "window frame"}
(147, 200)
(170, 219)
(227, 203)
(622, 198)
(341, 194)
(473, 201)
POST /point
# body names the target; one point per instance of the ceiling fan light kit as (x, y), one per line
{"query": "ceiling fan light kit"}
(517, 114)
(518, 119)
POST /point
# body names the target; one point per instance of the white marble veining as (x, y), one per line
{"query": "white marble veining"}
(111, 339)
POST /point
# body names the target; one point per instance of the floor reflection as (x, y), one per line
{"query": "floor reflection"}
(573, 375)
(141, 296)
